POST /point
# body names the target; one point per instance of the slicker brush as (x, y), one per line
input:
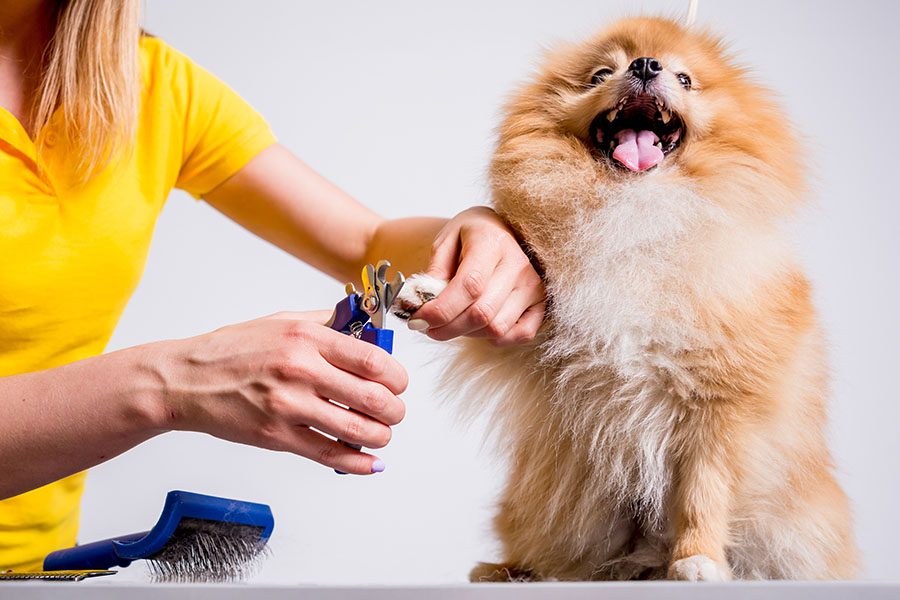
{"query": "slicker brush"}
(198, 538)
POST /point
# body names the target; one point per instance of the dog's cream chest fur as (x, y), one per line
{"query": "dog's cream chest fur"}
(646, 256)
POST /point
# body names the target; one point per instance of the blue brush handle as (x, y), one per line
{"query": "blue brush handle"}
(94, 556)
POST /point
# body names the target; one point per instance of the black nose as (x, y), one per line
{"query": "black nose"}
(645, 68)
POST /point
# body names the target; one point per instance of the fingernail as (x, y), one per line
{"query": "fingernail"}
(378, 466)
(418, 324)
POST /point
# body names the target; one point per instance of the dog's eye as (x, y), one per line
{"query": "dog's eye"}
(685, 80)
(600, 76)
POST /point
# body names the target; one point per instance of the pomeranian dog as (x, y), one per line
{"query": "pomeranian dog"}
(669, 419)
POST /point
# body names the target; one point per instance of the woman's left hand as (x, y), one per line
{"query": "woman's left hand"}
(493, 290)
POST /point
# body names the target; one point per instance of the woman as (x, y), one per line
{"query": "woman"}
(98, 124)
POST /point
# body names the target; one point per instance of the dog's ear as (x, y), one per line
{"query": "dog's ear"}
(691, 15)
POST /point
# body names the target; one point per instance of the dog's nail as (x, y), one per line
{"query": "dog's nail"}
(378, 466)
(418, 324)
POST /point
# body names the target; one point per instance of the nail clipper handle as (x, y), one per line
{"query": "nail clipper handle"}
(384, 339)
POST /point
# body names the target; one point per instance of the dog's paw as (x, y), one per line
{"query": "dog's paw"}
(500, 573)
(417, 290)
(698, 568)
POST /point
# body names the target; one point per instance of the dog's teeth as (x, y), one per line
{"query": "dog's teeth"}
(611, 115)
(658, 145)
(666, 116)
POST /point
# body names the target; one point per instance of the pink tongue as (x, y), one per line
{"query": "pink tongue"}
(636, 150)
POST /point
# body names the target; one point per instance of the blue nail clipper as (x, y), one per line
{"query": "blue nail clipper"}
(362, 315)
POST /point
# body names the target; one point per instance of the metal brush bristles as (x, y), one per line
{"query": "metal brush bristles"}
(207, 551)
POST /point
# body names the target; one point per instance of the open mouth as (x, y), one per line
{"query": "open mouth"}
(638, 133)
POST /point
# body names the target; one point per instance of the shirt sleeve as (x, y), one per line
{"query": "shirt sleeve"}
(222, 132)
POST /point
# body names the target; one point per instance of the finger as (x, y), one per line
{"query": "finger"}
(347, 425)
(444, 258)
(526, 327)
(369, 398)
(331, 453)
(529, 293)
(480, 258)
(364, 360)
(512, 289)
(509, 315)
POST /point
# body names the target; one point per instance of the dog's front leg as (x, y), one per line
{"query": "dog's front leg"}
(702, 497)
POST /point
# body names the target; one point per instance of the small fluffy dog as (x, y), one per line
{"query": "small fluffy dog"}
(669, 419)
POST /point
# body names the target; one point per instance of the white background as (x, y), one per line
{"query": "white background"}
(396, 101)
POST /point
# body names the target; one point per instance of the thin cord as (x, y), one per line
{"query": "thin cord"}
(691, 13)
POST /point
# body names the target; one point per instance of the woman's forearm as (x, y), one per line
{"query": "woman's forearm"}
(284, 201)
(262, 383)
(493, 290)
(407, 243)
(61, 421)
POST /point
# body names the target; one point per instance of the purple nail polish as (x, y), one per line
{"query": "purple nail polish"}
(378, 466)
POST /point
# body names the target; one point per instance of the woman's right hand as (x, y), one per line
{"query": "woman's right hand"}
(270, 382)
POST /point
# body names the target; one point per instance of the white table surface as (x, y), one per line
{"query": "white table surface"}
(107, 589)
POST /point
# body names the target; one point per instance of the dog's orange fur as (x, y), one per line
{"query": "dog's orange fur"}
(668, 421)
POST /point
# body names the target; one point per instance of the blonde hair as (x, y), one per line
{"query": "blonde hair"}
(91, 73)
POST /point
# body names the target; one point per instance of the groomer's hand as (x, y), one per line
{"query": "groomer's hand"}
(493, 291)
(270, 382)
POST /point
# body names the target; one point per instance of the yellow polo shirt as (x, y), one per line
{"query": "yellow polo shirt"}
(71, 255)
